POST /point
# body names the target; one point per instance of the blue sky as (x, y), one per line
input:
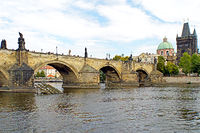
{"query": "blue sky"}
(103, 26)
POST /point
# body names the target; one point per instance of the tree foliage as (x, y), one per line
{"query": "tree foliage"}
(171, 69)
(38, 74)
(122, 58)
(161, 64)
(102, 76)
(117, 57)
(185, 63)
(195, 63)
(42, 74)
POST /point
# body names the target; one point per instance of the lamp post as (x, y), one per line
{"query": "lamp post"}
(57, 52)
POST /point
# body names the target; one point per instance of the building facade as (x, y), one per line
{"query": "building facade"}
(187, 42)
(50, 72)
(146, 58)
(165, 48)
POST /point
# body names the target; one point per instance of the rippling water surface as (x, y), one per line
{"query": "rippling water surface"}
(148, 109)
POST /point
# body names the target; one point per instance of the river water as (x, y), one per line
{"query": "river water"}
(145, 109)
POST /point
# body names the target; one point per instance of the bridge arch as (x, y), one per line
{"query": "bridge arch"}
(142, 75)
(4, 76)
(111, 73)
(68, 72)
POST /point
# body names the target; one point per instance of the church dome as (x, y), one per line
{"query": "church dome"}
(165, 45)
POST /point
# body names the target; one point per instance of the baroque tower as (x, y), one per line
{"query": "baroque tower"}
(186, 42)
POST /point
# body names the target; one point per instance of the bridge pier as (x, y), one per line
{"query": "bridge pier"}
(88, 78)
(21, 76)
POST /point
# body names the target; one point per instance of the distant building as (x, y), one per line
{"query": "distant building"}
(50, 72)
(146, 58)
(165, 48)
(186, 42)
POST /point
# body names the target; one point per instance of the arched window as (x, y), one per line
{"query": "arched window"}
(167, 52)
(161, 52)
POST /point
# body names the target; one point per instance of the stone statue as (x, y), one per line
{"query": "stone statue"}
(130, 58)
(155, 60)
(3, 44)
(21, 42)
(86, 54)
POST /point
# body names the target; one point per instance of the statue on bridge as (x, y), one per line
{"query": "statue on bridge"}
(155, 63)
(155, 60)
(130, 58)
(86, 54)
(21, 42)
(3, 44)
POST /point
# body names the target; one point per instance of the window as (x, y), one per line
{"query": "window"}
(167, 52)
(161, 52)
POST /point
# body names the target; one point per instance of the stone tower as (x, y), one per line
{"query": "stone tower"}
(187, 42)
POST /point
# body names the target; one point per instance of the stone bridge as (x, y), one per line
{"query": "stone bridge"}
(17, 69)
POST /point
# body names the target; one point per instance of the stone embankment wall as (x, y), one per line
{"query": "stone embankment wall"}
(182, 80)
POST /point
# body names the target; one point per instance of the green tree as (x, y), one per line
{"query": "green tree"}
(42, 74)
(117, 57)
(185, 63)
(122, 58)
(102, 76)
(161, 64)
(171, 69)
(195, 63)
(38, 74)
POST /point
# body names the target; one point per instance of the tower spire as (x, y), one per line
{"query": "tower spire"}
(186, 30)
(194, 33)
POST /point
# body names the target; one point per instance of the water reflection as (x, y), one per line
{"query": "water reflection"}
(17, 112)
(187, 104)
(148, 109)
(17, 102)
(188, 114)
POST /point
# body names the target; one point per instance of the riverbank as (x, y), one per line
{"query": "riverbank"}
(17, 90)
(182, 80)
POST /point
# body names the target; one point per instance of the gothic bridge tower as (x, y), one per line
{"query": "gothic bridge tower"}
(187, 42)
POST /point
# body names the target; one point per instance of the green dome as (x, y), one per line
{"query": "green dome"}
(165, 45)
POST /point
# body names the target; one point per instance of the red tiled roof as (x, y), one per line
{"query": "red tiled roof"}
(47, 67)
(50, 75)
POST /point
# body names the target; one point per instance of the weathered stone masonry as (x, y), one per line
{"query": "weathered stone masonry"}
(17, 68)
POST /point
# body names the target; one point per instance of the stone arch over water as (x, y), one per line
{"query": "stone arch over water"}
(142, 75)
(111, 74)
(68, 72)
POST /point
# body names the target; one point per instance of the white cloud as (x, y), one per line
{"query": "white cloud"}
(43, 22)
(172, 10)
(145, 49)
(84, 5)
